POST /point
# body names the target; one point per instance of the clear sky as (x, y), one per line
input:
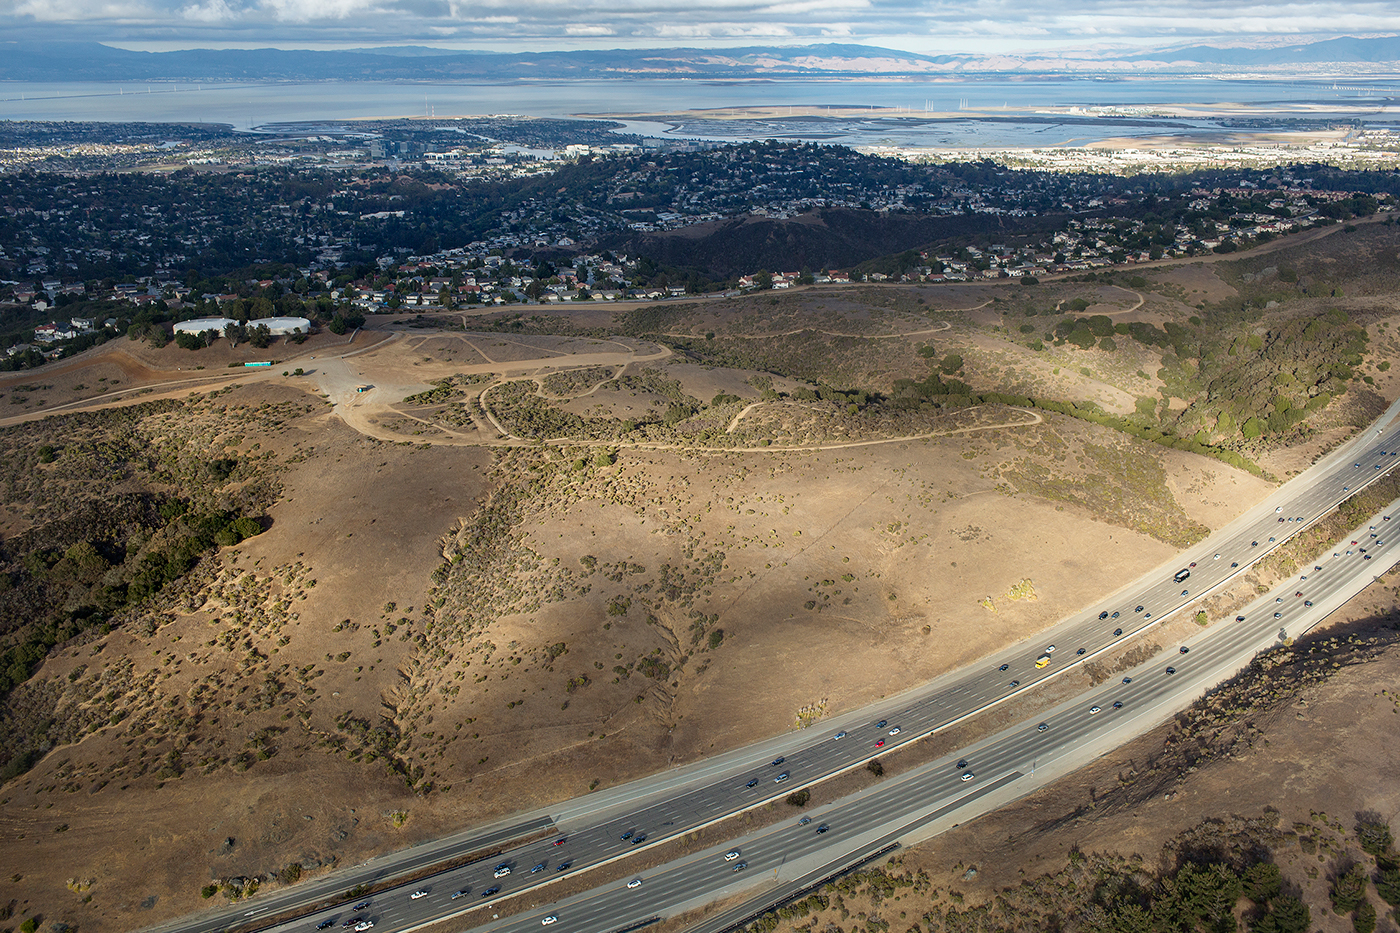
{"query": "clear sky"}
(930, 26)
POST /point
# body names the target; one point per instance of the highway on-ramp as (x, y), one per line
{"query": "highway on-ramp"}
(608, 826)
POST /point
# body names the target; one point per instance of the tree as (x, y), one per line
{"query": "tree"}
(1388, 886)
(260, 336)
(1349, 890)
(1364, 920)
(763, 280)
(1373, 832)
(1262, 882)
(1286, 914)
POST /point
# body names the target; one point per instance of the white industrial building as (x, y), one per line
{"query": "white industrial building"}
(278, 326)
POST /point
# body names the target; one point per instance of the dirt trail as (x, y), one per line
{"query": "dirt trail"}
(941, 326)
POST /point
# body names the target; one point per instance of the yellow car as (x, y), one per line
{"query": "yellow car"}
(1042, 661)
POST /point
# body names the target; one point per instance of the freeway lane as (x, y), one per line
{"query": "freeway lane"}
(609, 825)
(907, 806)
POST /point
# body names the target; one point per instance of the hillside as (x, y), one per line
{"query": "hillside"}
(542, 554)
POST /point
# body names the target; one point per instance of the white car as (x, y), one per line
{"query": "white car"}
(896, 730)
(502, 871)
(417, 894)
(1094, 710)
(1049, 649)
(967, 776)
(731, 855)
(548, 920)
(363, 925)
(635, 883)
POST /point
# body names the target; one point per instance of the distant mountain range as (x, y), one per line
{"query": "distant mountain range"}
(91, 61)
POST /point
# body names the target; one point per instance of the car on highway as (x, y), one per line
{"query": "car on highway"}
(777, 761)
(361, 905)
(1115, 615)
(1042, 727)
(1184, 649)
(1185, 592)
(494, 889)
(329, 922)
(882, 723)
(1127, 680)
(635, 883)
(822, 828)
(1117, 704)
(1299, 593)
(1217, 557)
(1239, 618)
(880, 744)
(1014, 683)
(731, 855)
(1003, 668)
(1308, 603)
(1171, 670)
(782, 777)
(967, 776)
(362, 926)
(804, 821)
(1279, 509)
(753, 783)
(1094, 710)
(741, 866)
(636, 841)
(628, 835)
(564, 866)
(1278, 615)
(1049, 649)
(1117, 633)
(560, 841)
(548, 920)
(538, 868)
(348, 923)
(962, 763)
(1181, 574)
(1104, 614)
(1042, 661)
(461, 892)
(421, 892)
(839, 735)
(896, 730)
(1138, 609)
(502, 870)
(1080, 651)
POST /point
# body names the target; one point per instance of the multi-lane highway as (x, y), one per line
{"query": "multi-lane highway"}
(610, 826)
(1001, 766)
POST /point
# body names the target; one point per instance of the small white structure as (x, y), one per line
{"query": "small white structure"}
(204, 325)
(277, 326)
(282, 326)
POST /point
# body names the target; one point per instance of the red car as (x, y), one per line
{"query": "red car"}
(880, 744)
(561, 840)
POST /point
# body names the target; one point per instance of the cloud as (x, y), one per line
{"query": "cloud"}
(214, 11)
(926, 25)
(304, 11)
